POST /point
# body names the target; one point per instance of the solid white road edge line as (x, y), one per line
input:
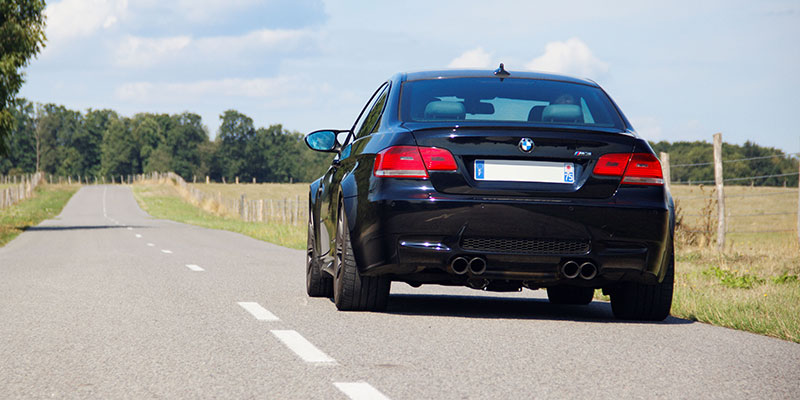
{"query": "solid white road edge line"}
(195, 268)
(261, 313)
(359, 391)
(302, 347)
(166, 251)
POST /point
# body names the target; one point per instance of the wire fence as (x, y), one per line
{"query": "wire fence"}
(748, 208)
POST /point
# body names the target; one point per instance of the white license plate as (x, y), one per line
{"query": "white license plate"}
(524, 171)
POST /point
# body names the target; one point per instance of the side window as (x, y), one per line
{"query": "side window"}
(371, 114)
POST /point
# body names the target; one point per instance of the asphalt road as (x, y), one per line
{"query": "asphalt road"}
(107, 302)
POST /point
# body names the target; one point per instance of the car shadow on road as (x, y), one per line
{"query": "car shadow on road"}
(74, 227)
(507, 308)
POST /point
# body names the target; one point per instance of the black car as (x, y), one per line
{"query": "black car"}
(495, 181)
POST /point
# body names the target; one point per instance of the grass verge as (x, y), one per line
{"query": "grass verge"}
(753, 292)
(164, 201)
(47, 202)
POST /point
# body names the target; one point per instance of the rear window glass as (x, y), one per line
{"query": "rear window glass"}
(507, 100)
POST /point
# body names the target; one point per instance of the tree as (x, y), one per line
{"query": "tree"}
(235, 132)
(21, 143)
(21, 37)
(118, 150)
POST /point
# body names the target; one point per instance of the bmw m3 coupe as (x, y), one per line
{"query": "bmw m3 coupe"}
(496, 181)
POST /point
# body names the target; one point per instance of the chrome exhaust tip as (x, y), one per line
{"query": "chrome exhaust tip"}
(459, 265)
(570, 269)
(477, 266)
(588, 271)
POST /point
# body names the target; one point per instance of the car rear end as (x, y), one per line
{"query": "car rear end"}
(509, 183)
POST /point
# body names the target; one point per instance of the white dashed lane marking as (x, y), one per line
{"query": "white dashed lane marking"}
(138, 236)
(194, 268)
(302, 347)
(151, 244)
(261, 313)
(166, 251)
(129, 228)
(360, 391)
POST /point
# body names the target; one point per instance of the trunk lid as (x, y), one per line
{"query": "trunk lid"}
(552, 148)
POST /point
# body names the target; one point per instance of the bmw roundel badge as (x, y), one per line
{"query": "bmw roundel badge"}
(526, 145)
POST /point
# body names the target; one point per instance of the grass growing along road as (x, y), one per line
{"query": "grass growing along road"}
(266, 191)
(164, 201)
(47, 202)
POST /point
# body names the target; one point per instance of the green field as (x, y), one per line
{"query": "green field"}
(47, 202)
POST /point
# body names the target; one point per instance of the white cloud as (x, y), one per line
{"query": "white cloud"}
(475, 58)
(570, 57)
(139, 52)
(266, 88)
(70, 19)
(142, 52)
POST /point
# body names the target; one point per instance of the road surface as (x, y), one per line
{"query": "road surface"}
(105, 301)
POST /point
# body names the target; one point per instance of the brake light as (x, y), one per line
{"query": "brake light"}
(635, 169)
(438, 159)
(612, 164)
(643, 169)
(412, 162)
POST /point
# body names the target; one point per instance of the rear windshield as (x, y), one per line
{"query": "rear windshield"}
(507, 100)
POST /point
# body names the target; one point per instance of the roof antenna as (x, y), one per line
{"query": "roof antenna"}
(501, 72)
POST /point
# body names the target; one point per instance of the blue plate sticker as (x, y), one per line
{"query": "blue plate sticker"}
(569, 173)
(479, 169)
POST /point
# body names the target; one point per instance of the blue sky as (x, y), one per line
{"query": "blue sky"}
(680, 70)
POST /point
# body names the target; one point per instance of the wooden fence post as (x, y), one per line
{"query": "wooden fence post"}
(720, 191)
(665, 170)
(208, 180)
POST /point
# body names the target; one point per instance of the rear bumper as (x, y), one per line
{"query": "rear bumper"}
(413, 235)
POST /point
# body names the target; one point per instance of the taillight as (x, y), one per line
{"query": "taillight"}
(635, 169)
(412, 162)
(438, 159)
(612, 164)
(643, 169)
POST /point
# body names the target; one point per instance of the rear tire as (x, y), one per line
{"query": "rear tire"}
(318, 283)
(637, 301)
(573, 295)
(351, 290)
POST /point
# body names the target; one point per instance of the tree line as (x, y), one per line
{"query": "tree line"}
(739, 161)
(56, 140)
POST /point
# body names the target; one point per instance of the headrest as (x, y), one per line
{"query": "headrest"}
(536, 113)
(562, 113)
(445, 110)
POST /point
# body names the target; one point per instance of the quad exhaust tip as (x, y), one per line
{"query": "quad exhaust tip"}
(588, 271)
(477, 266)
(461, 265)
(572, 270)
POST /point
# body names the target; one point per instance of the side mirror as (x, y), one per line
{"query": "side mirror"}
(325, 140)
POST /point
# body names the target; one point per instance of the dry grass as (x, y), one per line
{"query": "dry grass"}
(753, 285)
(164, 200)
(266, 191)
